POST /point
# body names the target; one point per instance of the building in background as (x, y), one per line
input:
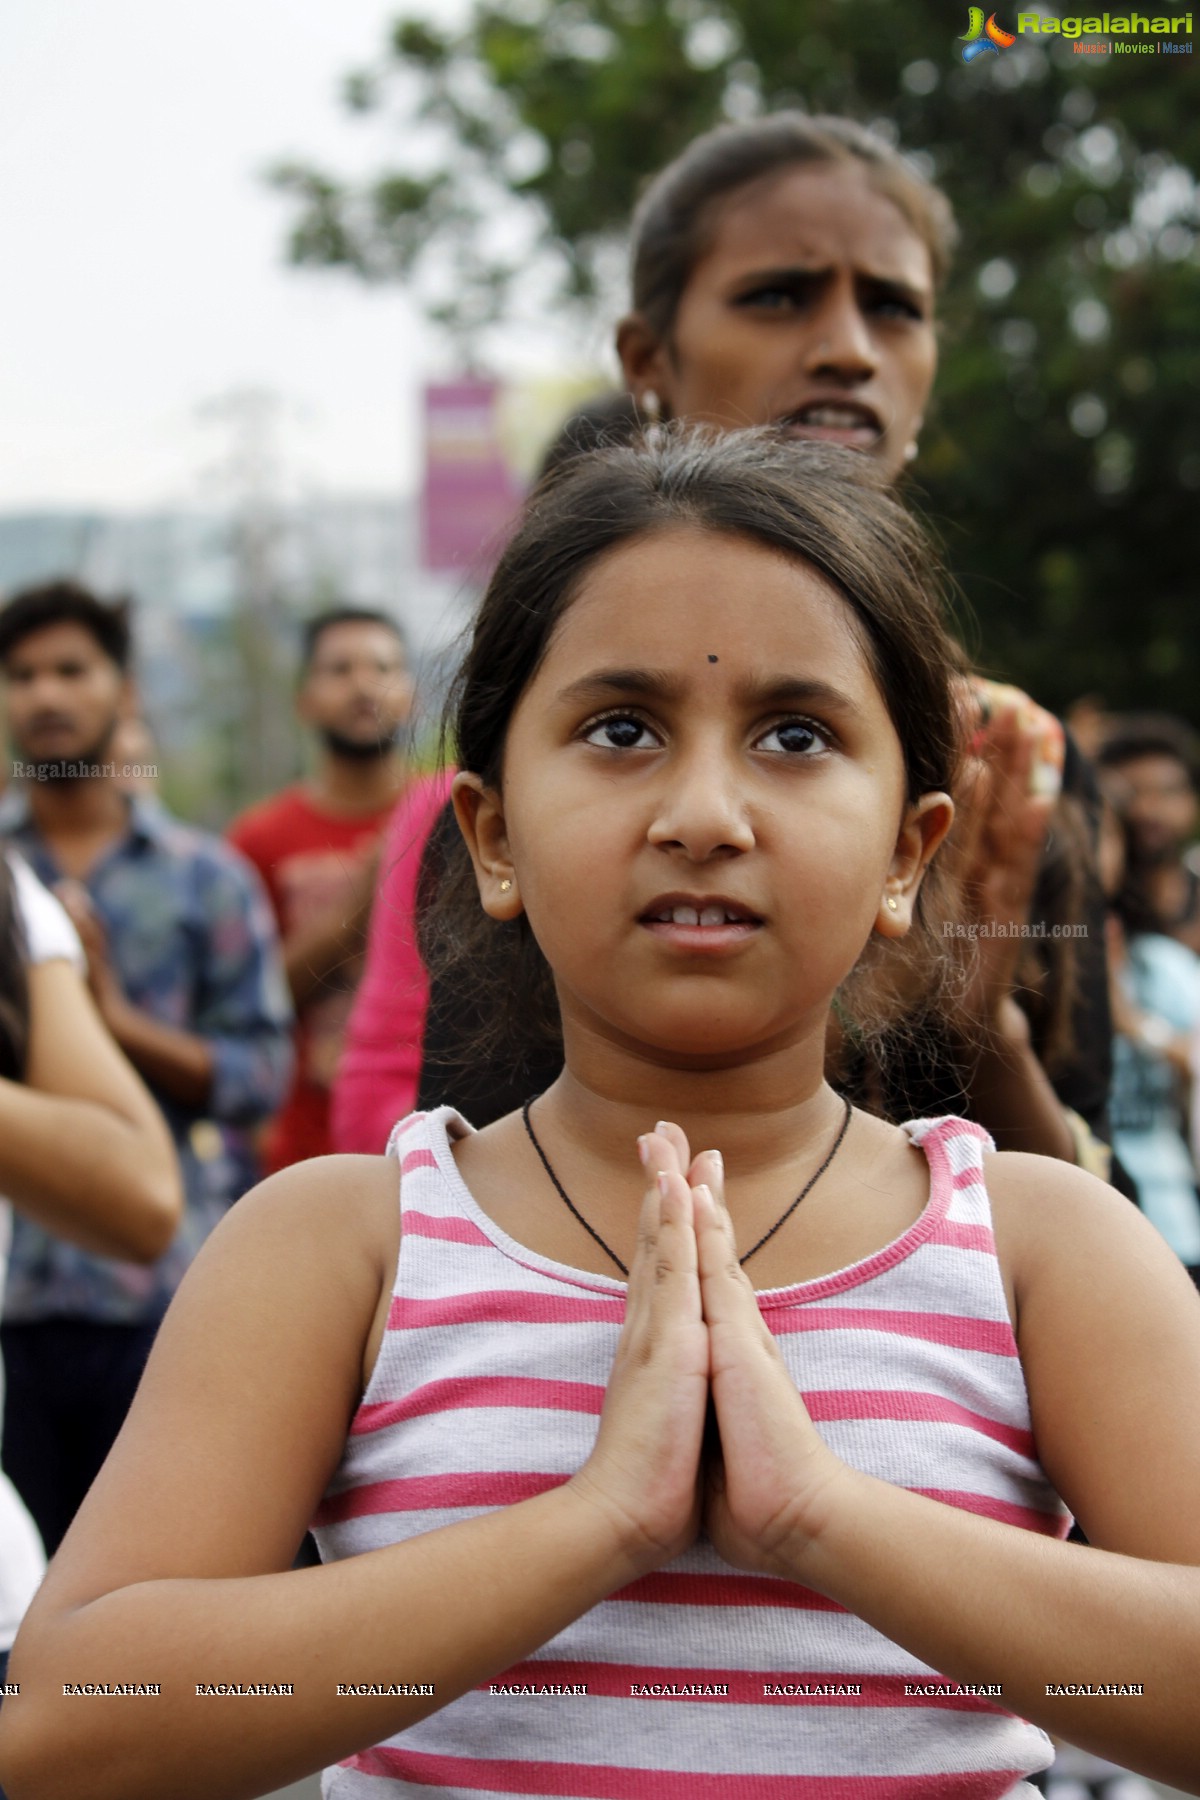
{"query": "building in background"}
(212, 697)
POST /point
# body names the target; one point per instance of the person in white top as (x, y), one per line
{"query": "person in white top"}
(83, 1149)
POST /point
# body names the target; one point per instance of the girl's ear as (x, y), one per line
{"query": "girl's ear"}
(480, 814)
(925, 823)
(645, 364)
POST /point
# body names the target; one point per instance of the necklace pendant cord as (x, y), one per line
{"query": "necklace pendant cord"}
(754, 1248)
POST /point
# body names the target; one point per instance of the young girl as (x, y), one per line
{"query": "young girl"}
(674, 1538)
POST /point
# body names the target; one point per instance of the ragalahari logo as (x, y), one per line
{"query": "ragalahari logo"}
(983, 38)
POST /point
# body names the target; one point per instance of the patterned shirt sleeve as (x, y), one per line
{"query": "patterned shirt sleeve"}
(243, 1008)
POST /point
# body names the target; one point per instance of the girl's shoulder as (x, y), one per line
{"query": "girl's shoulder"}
(1039, 1202)
(345, 1195)
(1074, 1247)
(324, 1233)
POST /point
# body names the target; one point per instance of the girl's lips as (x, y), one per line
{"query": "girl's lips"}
(708, 926)
(703, 940)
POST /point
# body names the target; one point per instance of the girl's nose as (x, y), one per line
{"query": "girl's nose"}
(702, 812)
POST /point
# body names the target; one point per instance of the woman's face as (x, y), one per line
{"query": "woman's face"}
(812, 308)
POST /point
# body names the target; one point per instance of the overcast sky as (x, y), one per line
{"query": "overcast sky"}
(143, 260)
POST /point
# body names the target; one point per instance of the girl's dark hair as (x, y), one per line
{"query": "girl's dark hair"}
(826, 508)
(14, 985)
(673, 223)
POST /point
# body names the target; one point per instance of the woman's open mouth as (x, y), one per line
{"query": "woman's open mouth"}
(845, 422)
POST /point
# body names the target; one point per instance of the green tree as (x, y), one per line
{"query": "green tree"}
(1062, 458)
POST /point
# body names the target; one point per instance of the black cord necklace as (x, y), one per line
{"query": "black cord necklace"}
(592, 1233)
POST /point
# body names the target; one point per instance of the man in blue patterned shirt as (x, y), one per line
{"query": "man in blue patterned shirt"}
(184, 965)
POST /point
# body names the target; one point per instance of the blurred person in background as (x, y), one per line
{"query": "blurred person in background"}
(1151, 765)
(83, 1148)
(1156, 1015)
(316, 846)
(183, 965)
(134, 749)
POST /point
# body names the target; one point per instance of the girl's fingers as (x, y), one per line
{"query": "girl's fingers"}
(708, 1170)
(667, 1133)
(666, 1244)
(726, 1290)
(646, 1457)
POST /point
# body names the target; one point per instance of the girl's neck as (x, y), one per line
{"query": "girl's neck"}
(759, 1113)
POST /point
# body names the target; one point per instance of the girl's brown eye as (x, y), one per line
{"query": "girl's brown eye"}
(620, 732)
(795, 737)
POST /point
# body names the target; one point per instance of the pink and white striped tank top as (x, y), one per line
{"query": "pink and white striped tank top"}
(696, 1682)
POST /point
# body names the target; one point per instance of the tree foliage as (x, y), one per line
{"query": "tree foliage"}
(1062, 458)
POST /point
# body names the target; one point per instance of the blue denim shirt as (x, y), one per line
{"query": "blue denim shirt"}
(1160, 977)
(193, 941)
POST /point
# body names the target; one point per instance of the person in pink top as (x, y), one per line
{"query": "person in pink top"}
(380, 1065)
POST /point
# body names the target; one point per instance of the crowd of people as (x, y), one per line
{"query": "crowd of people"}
(738, 879)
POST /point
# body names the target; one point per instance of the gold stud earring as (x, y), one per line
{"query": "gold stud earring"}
(893, 905)
(505, 886)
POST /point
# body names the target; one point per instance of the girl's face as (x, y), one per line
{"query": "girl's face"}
(703, 807)
(812, 308)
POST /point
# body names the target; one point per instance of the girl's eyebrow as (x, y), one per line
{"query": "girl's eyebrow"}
(773, 692)
(798, 690)
(605, 683)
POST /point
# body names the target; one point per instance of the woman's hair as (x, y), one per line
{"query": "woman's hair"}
(14, 985)
(674, 221)
(826, 508)
(597, 424)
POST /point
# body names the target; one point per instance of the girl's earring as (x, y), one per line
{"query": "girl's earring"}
(506, 887)
(893, 905)
(651, 406)
(910, 449)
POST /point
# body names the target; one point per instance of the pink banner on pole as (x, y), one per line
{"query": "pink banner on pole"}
(471, 494)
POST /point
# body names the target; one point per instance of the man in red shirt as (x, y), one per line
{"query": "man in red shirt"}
(317, 845)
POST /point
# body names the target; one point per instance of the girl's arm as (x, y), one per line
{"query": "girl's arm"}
(1109, 1332)
(83, 1148)
(177, 1569)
